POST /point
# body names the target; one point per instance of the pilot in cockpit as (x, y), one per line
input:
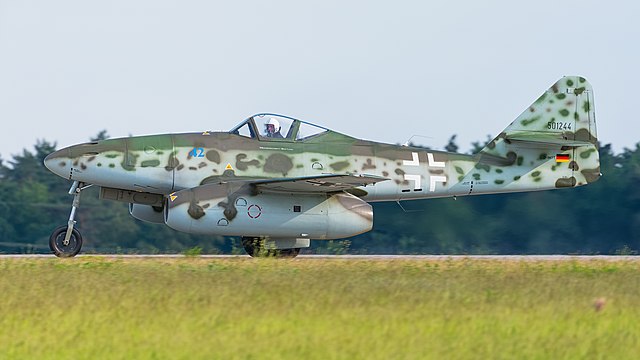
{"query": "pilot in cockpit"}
(272, 129)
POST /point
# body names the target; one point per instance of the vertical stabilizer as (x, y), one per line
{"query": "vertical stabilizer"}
(552, 144)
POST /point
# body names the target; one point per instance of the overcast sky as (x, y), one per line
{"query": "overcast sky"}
(380, 70)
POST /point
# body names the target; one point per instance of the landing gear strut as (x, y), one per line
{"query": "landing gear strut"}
(65, 241)
(254, 246)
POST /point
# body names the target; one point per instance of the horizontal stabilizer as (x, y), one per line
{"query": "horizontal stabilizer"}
(544, 139)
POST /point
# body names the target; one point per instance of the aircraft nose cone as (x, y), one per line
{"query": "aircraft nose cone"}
(59, 163)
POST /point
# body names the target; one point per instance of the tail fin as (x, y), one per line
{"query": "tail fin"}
(553, 143)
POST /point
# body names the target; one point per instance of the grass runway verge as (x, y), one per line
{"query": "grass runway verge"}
(194, 308)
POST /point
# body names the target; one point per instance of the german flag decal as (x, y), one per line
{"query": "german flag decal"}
(562, 157)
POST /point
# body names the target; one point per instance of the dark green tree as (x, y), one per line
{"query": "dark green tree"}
(101, 135)
(600, 218)
(451, 145)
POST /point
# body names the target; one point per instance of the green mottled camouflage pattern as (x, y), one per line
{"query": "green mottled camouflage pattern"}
(524, 157)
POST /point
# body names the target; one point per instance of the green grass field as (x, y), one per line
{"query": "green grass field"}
(87, 308)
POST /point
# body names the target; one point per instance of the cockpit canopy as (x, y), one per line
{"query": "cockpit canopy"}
(273, 127)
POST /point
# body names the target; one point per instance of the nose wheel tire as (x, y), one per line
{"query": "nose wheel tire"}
(60, 248)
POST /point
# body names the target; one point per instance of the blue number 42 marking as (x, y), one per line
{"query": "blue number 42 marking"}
(197, 152)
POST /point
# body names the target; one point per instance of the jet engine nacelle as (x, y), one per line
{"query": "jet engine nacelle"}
(147, 213)
(208, 209)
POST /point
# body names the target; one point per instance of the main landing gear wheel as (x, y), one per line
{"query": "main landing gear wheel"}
(65, 248)
(287, 253)
(254, 246)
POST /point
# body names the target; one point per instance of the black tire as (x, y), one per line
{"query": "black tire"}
(57, 246)
(288, 253)
(254, 247)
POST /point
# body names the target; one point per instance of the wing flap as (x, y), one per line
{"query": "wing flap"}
(318, 184)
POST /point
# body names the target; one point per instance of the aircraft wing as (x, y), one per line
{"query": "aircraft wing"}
(318, 184)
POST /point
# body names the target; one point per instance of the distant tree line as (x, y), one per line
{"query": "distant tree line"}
(602, 218)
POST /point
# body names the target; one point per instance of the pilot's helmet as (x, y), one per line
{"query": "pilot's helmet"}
(272, 129)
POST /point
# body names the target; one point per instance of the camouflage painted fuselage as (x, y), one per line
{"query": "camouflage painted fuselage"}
(552, 144)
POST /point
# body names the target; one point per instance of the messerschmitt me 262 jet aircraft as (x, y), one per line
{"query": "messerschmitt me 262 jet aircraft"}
(279, 182)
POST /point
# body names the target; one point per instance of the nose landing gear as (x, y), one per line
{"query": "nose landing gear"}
(65, 241)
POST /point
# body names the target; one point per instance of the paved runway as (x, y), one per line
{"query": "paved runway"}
(364, 257)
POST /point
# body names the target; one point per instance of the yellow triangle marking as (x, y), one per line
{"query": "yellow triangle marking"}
(172, 196)
(229, 167)
(206, 133)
